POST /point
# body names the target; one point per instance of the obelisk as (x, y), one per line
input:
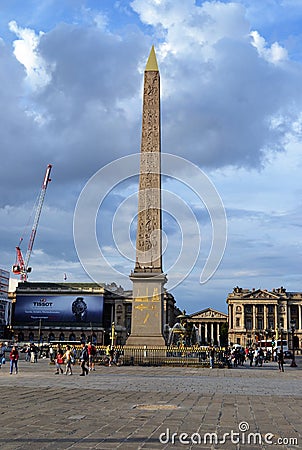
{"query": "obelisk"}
(148, 277)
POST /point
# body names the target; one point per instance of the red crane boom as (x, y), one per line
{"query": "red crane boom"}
(21, 265)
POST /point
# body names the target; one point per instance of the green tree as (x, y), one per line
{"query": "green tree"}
(224, 331)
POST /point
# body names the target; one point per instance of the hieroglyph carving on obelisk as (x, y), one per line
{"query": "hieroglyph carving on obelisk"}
(148, 278)
(148, 240)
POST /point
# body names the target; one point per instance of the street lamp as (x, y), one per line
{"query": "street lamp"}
(40, 331)
(293, 327)
(112, 334)
(281, 336)
(266, 352)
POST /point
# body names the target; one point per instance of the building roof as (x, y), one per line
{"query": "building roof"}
(261, 294)
(208, 313)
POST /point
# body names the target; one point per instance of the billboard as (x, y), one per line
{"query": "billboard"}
(80, 309)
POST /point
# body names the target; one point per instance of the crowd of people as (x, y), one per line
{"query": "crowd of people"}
(64, 358)
(238, 356)
(67, 359)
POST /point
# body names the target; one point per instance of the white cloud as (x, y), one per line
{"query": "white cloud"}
(188, 28)
(25, 50)
(274, 54)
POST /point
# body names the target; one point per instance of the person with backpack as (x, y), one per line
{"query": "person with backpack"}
(84, 360)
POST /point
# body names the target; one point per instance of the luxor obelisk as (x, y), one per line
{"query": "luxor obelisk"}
(148, 277)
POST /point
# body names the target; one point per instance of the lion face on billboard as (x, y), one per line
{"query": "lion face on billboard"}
(79, 309)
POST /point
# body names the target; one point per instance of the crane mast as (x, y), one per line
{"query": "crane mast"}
(21, 266)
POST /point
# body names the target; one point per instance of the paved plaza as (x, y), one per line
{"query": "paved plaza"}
(134, 407)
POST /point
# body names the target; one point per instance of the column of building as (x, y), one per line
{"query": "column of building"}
(288, 325)
(199, 333)
(276, 317)
(212, 333)
(265, 317)
(218, 334)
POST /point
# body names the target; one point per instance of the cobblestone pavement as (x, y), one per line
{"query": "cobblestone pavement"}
(149, 407)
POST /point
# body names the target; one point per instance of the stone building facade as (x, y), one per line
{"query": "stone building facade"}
(115, 306)
(5, 302)
(259, 314)
(208, 323)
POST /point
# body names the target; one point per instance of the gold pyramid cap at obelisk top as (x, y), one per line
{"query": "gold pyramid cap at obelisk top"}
(152, 62)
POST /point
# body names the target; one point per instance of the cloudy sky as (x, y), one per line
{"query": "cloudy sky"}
(71, 81)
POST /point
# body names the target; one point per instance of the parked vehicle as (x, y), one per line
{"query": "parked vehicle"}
(267, 345)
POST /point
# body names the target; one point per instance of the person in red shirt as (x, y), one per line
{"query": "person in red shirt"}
(14, 356)
(59, 360)
(91, 355)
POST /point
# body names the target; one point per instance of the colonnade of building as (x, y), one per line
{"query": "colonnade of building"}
(261, 314)
(208, 324)
(209, 333)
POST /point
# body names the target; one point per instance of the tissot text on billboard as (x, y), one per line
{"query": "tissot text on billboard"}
(60, 308)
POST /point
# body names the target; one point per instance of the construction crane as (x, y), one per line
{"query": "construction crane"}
(21, 265)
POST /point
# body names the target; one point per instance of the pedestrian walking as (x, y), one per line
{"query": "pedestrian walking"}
(212, 356)
(91, 356)
(14, 356)
(36, 351)
(110, 354)
(236, 357)
(27, 353)
(59, 360)
(67, 358)
(251, 356)
(256, 356)
(33, 353)
(84, 360)
(116, 358)
(281, 360)
(261, 356)
(73, 355)
(51, 353)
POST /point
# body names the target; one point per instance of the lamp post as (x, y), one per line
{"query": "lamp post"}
(40, 331)
(266, 336)
(293, 327)
(112, 334)
(281, 336)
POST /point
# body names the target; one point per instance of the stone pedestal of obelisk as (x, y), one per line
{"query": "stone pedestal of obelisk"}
(148, 278)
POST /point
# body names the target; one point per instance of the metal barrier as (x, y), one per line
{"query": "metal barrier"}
(163, 356)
